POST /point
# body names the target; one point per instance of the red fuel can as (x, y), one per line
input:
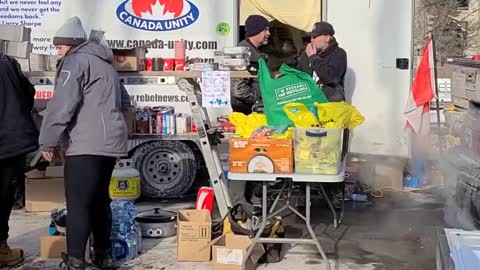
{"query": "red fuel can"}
(205, 198)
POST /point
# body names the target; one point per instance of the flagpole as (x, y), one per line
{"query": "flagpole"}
(437, 101)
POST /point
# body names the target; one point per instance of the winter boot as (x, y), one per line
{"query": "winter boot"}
(102, 260)
(70, 263)
(8, 256)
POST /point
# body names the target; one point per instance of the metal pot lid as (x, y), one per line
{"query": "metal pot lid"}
(156, 215)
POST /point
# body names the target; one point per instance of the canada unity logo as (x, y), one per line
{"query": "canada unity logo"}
(158, 15)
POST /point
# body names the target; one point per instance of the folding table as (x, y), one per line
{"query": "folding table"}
(308, 179)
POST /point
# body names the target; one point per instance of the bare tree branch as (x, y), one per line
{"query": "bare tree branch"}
(454, 29)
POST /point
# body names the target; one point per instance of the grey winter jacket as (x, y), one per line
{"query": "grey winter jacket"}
(86, 110)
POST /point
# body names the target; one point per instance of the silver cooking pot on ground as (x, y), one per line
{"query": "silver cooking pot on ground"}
(156, 223)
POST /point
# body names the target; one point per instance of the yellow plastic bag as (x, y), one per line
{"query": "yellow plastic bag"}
(338, 115)
(246, 124)
(300, 115)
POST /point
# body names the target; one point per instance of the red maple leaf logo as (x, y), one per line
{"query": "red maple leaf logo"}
(141, 6)
(171, 6)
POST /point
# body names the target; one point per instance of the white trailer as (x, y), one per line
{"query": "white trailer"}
(377, 35)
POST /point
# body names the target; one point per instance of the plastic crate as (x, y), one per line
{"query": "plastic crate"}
(318, 150)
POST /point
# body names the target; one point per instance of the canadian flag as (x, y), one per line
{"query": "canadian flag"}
(417, 110)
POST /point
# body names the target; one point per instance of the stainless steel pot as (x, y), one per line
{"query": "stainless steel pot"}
(157, 224)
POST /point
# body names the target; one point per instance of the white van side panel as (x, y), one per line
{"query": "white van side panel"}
(375, 33)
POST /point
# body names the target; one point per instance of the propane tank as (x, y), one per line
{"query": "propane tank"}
(125, 181)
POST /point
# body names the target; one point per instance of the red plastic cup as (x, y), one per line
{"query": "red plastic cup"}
(205, 198)
(148, 64)
(179, 64)
(194, 128)
(169, 64)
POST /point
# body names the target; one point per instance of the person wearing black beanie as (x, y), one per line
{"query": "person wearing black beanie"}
(257, 30)
(245, 94)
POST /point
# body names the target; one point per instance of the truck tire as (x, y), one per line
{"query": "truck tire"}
(167, 168)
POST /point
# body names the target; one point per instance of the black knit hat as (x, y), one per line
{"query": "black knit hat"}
(255, 24)
(321, 29)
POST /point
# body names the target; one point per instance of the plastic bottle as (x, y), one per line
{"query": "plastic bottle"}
(121, 248)
(359, 197)
(125, 181)
(120, 221)
(125, 236)
(52, 229)
(138, 230)
(133, 244)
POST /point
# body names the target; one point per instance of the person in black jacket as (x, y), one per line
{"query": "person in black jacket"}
(246, 97)
(246, 92)
(325, 61)
(18, 137)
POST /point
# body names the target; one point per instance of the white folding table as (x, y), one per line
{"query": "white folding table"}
(308, 179)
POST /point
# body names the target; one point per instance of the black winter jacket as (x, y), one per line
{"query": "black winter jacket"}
(328, 69)
(246, 92)
(18, 134)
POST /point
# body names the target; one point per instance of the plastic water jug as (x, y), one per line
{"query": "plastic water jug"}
(125, 181)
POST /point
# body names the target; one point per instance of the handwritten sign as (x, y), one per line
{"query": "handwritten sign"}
(215, 89)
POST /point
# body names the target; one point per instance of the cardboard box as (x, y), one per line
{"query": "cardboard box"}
(43, 195)
(24, 63)
(44, 191)
(389, 173)
(15, 33)
(261, 156)
(51, 247)
(35, 174)
(129, 60)
(39, 62)
(52, 65)
(460, 102)
(16, 49)
(194, 232)
(54, 172)
(228, 253)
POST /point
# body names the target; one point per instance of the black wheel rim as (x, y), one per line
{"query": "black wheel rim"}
(162, 168)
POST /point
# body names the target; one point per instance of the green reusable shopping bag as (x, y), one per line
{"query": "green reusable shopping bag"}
(293, 86)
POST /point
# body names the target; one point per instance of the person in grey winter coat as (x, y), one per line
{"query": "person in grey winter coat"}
(246, 92)
(86, 115)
